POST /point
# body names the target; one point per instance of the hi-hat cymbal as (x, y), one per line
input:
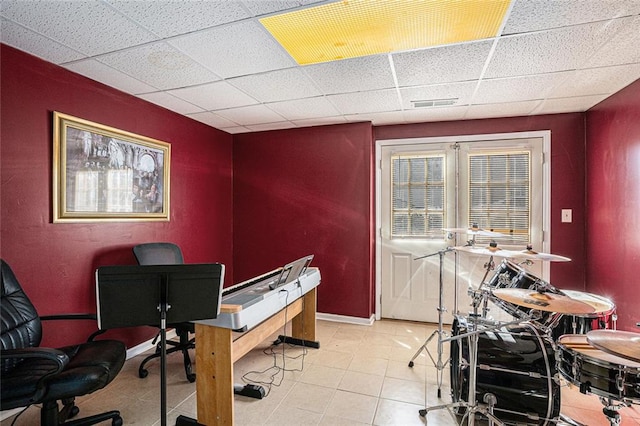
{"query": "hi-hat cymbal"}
(472, 230)
(530, 254)
(625, 344)
(485, 251)
(548, 302)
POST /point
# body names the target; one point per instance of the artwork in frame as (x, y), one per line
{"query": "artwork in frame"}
(104, 174)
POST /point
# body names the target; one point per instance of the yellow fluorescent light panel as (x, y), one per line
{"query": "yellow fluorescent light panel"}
(352, 28)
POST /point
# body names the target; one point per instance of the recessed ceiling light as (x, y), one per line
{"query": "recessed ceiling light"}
(353, 28)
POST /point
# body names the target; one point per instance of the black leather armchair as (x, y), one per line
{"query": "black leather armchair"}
(167, 254)
(38, 375)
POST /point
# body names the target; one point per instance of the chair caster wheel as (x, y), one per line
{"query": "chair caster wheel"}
(410, 363)
(117, 421)
(191, 378)
(74, 412)
(143, 373)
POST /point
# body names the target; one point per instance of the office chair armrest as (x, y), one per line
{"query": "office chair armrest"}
(57, 356)
(93, 317)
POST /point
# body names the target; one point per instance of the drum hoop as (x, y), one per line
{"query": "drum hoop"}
(597, 361)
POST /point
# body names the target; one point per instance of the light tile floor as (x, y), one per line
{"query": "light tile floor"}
(359, 376)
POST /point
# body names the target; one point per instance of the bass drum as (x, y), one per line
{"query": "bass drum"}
(516, 364)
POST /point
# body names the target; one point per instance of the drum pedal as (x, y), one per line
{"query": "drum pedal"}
(252, 391)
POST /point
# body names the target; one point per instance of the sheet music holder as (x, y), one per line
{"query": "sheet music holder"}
(292, 271)
(134, 295)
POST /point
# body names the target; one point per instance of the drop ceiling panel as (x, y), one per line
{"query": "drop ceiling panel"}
(41, 46)
(418, 115)
(250, 115)
(235, 50)
(305, 108)
(564, 105)
(548, 51)
(535, 15)
(170, 18)
(377, 118)
(98, 71)
(269, 126)
(212, 119)
(352, 75)
(159, 65)
(217, 95)
(263, 7)
(338, 119)
(366, 102)
(596, 81)
(507, 109)
(82, 25)
(516, 89)
(280, 85)
(170, 102)
(442, 64)
(623, 47)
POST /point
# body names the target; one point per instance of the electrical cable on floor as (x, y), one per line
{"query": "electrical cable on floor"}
(276, 373)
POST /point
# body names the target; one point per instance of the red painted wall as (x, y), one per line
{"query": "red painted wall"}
(613, 202)
(308, 191)
(567, 177)
(55, 263)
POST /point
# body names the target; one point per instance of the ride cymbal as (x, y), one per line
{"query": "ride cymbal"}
(474, 231)
(624, 344)
(548, 302)
(485, 251)
(530, 254)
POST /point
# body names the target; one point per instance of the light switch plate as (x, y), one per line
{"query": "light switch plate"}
(567, 216)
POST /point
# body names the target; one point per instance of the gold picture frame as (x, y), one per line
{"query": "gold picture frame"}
(102, 174)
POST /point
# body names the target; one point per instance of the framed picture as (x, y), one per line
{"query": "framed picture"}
(104, 174)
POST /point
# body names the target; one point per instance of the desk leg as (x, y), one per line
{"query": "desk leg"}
(303, 325)
(214, 383)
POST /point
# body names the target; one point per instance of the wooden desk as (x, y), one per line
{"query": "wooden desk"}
(216, 351)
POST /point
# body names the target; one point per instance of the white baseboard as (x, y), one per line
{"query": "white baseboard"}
(346, 319)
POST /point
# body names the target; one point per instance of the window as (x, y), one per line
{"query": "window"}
(418, 188)
(499, 193)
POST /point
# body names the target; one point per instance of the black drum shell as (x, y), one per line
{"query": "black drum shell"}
(517, 394)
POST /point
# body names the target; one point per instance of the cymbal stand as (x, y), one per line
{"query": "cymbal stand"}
(439, 332)
(610, 410)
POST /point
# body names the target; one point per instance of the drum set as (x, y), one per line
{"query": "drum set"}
(511, 372)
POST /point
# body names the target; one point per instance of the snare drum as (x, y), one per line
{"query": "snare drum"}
(516, 364)
(510, 275)
(596, 371)
(604, 316)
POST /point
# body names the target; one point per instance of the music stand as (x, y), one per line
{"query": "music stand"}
(129, 296)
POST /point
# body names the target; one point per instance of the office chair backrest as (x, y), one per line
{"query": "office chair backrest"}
(158, 254)
(21, 327)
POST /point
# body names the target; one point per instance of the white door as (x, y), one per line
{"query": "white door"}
(427, 185)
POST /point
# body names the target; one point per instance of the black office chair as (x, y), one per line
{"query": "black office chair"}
(38, 375)
(167, 254)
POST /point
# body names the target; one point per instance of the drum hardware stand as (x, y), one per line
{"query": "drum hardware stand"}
(610, 410)
(439, 332)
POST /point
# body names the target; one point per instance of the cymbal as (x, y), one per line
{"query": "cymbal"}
(548, 302)
(625, 344)
(472, 230)
(485, 251)
(530, 254)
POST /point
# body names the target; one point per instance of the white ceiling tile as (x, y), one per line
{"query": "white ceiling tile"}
(251, 115)
(352, 75)
(307, 122)
(280, 85)
(305, 108)
(563, 105)
(217, 95)
(623, 47)
(445, 64)
(170, 102)
(84, 25)
(515, 89)
(377, 118)
(548, 51)
(235, 50)
(418, 115)
(461, 91)
(596, 81)
(263, 7)
(534, 15)
(236, 129)
(159, 65)
(104, 74)
(366, 102)
(170, 18)
(29, 41)
(270, 126)
(507, 109)
(212, 119)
